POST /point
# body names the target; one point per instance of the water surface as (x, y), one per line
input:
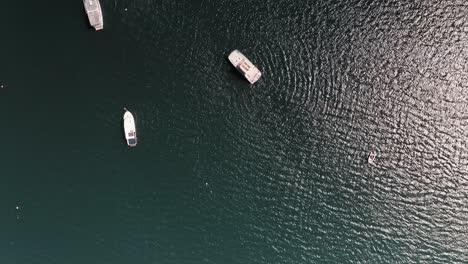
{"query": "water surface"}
(227, 172)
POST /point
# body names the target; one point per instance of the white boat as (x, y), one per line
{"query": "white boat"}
(129, 128)
(371, 157)
(244, 66)
(94, 12)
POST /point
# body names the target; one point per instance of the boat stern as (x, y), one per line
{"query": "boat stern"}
(132, 142)
(254, 76)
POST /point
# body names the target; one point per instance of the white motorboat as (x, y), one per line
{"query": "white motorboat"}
(130, 128)
(94, 12)
(371, 157)
(244, 66)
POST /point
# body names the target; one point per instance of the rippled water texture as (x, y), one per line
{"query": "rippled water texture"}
(225, 171)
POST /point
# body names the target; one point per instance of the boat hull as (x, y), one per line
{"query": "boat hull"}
(244, 66)
(94, 12)
(130, 129)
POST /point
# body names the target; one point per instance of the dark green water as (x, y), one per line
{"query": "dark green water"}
(226, 172)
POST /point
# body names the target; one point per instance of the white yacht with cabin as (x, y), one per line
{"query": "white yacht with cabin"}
(94, 12)
(244, 66)
(129, 128)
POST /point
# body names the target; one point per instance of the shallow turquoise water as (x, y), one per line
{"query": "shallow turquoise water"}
(226, 172)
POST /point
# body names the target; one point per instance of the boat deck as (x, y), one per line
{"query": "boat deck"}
(94, 12)
(245, 66)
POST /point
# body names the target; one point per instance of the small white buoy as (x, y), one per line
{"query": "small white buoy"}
(125, 9)
(17, 207)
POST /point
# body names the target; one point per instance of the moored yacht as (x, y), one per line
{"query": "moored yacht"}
(94, 12)
(130, 128)
(244, 66)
